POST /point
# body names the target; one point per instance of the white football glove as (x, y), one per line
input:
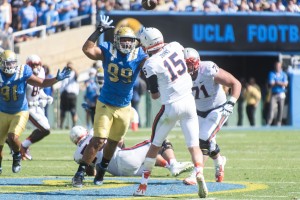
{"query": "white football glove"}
(33, 103)
(49, 100)
(228, 108)
(43, 102)
(104, 20)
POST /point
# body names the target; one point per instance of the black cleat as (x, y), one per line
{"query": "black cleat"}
(16, 165)
(77, 180)
(98, 180)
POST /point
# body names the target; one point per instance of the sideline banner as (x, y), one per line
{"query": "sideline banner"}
(220, 32)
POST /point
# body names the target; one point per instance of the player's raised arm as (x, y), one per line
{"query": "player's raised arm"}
(61, 75)
(89, 48)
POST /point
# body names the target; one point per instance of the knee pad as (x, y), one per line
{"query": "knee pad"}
(204, 146)
(166, 145)
(214, 152)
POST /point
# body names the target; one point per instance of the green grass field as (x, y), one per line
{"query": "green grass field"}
(263, 157)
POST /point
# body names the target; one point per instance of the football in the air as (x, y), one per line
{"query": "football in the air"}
(149, 4)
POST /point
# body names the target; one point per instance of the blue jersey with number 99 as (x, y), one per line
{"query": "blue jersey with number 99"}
(120, 73)
(13, 90)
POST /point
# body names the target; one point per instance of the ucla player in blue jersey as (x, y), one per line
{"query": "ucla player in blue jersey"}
(122, 62)
(13, 103)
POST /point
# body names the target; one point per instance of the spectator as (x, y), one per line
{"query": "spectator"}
(48, 90)
(91, 96)
(232, 7)
(6, 15)
(27, 18)
(244, 7)
(69, 91)
(277, 6)
(292, 6)
(240, 103)
(15, 7)
(252, 95)
(74, 13)
(50, 18)
(278, 81)
(41, 8)
(266, 97)
(85, 8)
(139, 89)
(64, 9)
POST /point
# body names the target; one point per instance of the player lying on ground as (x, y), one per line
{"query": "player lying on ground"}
(213, 108)
(127, 161)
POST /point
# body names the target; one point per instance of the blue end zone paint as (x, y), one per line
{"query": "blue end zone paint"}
(50, 188)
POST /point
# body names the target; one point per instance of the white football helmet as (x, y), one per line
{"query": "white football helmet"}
(192, 59)
(34, 61)
(8, 62)
(78, 133)
(124, 40)
(151, 39)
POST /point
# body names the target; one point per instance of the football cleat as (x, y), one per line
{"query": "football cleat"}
(141, 190)
(25, 153)
(191, 180)
(77, 180)
(220, 170)
(202, 188)
(98, 180)
(179, 167)
(16, 165)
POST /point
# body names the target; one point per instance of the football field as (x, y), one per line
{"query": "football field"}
(262, 163)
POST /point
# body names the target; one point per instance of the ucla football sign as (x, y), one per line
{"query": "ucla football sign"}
(255, 33)
(225, 32)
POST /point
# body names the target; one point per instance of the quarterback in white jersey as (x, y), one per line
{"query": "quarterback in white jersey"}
(127, 161)
(168, 79)
(213, 108)
(37, 100)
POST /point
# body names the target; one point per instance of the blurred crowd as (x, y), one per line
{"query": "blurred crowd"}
(57, 15)
(24, 14)
(232, 6)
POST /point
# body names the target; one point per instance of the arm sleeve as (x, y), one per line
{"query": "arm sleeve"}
(153, 85)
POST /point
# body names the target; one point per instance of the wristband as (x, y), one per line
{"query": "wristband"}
(94, 37)
(232, 99)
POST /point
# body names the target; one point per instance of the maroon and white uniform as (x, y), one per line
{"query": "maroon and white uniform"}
(175, 94)
(125, 162)
(37, 100)
(209, 97)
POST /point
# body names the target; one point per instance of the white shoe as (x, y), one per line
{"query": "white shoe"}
(25, 153)
(141, 190)
(191, 180)
(179, 167)
(202, 188)
(220, 170)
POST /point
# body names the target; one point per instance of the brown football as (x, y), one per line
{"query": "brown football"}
(149, 4)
